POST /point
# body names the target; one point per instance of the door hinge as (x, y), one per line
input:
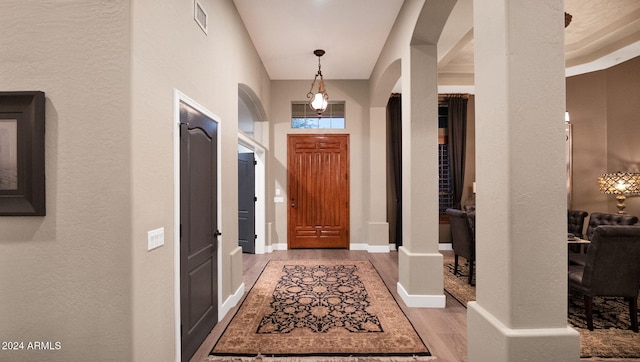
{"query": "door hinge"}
(255, 199)
(255, 162)
(255, 236)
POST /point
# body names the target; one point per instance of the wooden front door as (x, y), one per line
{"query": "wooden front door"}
(318, 191)
(198, 228)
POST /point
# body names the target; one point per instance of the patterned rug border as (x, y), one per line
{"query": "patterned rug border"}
(260, 358)
(327, 357)
(402, 311)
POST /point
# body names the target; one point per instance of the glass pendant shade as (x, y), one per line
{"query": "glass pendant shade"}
(319, 102)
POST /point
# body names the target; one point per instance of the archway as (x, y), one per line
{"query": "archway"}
(252, 123)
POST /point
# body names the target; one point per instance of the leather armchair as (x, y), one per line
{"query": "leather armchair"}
(611, 269)
(575, 222)
(463, 239)
(598, 219)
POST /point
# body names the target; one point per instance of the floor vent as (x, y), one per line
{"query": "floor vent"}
(200, 16)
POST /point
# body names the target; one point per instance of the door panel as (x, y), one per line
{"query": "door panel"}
(318, 191)
(198, 228)
(247, 202)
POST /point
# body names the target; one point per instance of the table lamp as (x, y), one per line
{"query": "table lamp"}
(620, 184)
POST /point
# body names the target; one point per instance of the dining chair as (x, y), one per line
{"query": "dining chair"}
(599, 219)
(463, 239)
(611, 269)
(575, 222)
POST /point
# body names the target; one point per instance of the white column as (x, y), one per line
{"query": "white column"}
(377, 226)
(420, 263)
(521, 308)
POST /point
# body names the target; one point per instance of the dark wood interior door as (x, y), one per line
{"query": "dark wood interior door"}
(198, 228)
(318, 191)
(247, 202)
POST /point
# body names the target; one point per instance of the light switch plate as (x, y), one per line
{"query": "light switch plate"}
(155, 238)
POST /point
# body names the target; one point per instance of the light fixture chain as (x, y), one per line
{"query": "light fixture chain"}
(320, 100)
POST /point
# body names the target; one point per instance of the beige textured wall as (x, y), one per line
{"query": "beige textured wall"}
(623, 125)
(171, 51)
(387, 70)
(355, 94)
(603, 107)
(586, 103)
(82, 275)
(66, 277)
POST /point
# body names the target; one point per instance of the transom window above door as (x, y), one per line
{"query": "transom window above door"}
(302, 116)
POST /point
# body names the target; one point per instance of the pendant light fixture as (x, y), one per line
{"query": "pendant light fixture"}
(319, 100)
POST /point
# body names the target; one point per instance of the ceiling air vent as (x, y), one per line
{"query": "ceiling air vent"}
(200, 16)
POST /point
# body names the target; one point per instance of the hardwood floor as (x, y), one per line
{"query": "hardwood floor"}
(444, 331)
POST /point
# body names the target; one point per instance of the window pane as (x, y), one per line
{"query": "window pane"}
(302, 116)
(324, 123)
(304, 122)
(337, 123)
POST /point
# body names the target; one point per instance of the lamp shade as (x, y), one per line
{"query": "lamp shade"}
(319, 103)
(620, 183)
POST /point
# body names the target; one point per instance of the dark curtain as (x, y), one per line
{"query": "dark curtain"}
(457, 134)
(394, 168)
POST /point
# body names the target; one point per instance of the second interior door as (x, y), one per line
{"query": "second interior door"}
(247, 202)
(318, 191)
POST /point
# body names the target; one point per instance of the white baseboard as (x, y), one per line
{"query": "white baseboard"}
(379, 248)
(231, 302)
(441, 246)
(279, 246)
(421, 301)
(371, 248)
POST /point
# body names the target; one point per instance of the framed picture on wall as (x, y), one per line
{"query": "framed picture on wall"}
(22, 178)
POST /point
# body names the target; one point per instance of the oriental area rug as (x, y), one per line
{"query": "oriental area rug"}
(336, 310)
(610, 338)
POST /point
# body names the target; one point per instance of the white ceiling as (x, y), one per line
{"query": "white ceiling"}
(352, 32)
(286, 32)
